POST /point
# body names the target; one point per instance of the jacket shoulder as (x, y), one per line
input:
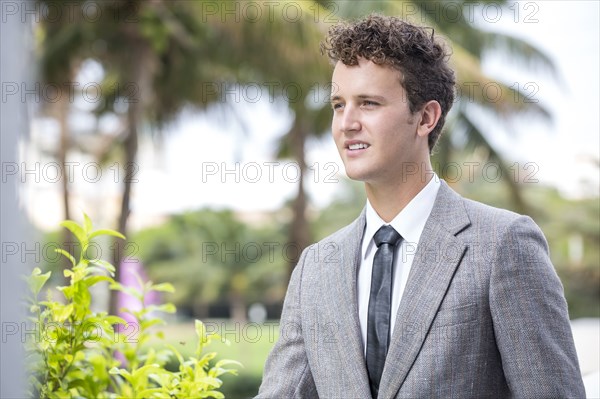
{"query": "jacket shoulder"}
(497, 225)
(482, 212)
(343, 242)
(462, 216)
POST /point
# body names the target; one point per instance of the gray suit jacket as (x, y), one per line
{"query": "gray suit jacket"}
(483, 315)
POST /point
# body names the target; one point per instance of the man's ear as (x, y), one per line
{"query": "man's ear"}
(430, 115)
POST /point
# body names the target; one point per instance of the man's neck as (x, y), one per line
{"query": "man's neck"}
(388, 200)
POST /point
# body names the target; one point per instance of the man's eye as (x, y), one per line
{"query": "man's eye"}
(336, 106)
(370, 103)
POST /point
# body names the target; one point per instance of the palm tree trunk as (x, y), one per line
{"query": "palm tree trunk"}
(299, 237)
(140, 74)
(63, 113)
(131, 146)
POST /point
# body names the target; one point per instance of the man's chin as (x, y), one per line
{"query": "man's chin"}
(356, 175)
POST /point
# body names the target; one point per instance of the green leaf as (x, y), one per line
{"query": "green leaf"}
(225, 362)
(62, 313)
(165, 307)
(68, 291)
(62, 394)
(100, 271)
(145, 324)
(200, 329)
(87, 224)
(207, 358)
(89, 281)
(128, 290)
(37, 280)
(163, 287)
(67, 255)
(114, 320)
(215, 382)
(118, 371)
(144, 371)
(83, 299)
(106, 232)
(77, 231)
(106, 265)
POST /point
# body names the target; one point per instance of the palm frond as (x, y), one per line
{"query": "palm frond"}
(520, 51)
(476, 138)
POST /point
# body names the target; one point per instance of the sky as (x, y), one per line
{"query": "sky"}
(208, 162)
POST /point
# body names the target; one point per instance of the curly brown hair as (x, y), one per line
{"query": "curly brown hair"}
(421, 59)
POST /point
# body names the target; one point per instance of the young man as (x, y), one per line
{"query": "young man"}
(426, 294)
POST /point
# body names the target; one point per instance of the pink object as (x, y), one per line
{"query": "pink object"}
(132, 271)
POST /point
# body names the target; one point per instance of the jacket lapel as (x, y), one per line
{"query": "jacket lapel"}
(438, 255)
(343, 298)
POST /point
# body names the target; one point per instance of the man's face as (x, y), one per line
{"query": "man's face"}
(373, 128)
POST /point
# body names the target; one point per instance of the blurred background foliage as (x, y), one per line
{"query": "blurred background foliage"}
(157, 58)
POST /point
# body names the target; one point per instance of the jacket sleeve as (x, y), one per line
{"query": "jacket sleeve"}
(287, 372)
(531, 321)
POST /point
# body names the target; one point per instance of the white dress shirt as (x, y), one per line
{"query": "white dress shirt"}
(409, 223)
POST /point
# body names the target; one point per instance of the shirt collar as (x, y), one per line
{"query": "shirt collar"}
(409, 222)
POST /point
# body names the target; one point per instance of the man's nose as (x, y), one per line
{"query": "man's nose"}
(350, 119)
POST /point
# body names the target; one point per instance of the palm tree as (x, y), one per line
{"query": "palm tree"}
(58, 53)
(295, 44)
(145, 46)
(157, 56)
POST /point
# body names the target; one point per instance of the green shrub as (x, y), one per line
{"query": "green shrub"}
(78, 353)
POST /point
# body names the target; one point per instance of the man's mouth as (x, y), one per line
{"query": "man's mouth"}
(358, 146)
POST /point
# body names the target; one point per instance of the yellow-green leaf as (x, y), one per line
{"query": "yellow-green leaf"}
(67, 255)
(225, 362)
(61, 313)
(114, 320)
(165, 307)
(200, 329)
(77, 231)
(163, 287)
(118, 371)
(89, 281)
(106, 232)
(215, 382)
(106, 265)
(37, 280)
(87, 223)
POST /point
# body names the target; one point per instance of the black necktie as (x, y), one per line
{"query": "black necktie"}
(380, 303)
